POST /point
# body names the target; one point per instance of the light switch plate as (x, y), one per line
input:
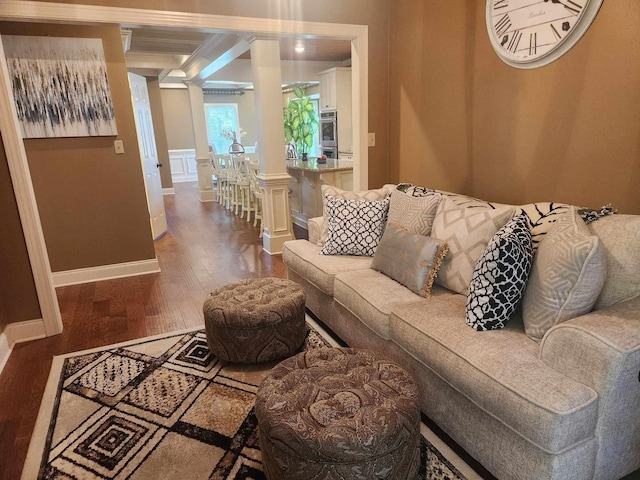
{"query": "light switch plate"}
(118, 146)
(372, 139)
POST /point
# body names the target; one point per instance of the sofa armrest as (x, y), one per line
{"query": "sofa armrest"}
(602, 350)
(314, 227)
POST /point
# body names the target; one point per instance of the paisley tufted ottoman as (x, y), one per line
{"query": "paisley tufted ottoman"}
(255, 320)
(338, 413)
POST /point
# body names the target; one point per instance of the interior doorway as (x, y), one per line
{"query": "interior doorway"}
(14, 10)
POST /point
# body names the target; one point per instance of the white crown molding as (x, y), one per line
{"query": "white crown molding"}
(105, 272)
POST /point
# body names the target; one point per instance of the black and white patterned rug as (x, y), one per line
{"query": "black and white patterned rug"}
(160, 407)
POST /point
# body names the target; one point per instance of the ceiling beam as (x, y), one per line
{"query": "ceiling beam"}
(215, 52)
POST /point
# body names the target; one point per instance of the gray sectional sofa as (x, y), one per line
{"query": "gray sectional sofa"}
(563, 407)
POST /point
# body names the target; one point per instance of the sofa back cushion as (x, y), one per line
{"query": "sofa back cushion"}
(620, 237)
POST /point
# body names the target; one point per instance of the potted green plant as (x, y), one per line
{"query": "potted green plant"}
(300, 122)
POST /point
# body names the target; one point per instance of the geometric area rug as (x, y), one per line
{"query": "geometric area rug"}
(160, 407)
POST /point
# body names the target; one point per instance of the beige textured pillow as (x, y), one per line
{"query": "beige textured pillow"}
(467, 231)
(379, 194)
(567, 276)
(620, 237)
(413, 214)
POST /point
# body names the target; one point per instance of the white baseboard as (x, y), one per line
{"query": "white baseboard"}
(19, 332)
(5, 350)
(168, 191)
(105, 272)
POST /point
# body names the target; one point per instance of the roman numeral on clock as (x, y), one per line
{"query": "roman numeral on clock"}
(500, 4)
(556, 34)
(573, 7)
(533, 43)
(503, 25)
(515, 41)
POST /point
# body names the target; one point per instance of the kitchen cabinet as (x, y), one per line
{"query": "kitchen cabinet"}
(335, 94)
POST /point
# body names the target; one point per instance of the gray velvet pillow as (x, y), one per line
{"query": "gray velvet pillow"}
(410, 259)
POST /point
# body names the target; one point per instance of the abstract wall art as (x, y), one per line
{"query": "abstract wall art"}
(60, 86)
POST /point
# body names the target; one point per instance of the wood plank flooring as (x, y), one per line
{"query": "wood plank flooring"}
(205, 247)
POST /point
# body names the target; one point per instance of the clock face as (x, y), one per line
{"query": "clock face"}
(529, 33)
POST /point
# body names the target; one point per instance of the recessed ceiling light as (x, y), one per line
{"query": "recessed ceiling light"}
(299, 48)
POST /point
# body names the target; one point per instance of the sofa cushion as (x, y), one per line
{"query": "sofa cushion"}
(410, 259)
(467, 231)
(620, 237)
(305, 259)
(330, 190)
(370, 296)
(354, 226)
(414, 214)
(567, 276)
(500, 276)
(498, 370)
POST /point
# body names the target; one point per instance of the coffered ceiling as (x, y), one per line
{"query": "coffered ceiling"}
(221, 60)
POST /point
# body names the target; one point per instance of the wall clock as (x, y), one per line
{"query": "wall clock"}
(533, 33)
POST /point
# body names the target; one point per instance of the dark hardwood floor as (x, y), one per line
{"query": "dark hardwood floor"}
(205, 247)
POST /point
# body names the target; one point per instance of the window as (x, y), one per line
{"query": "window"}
(220, 116)
(316, 150)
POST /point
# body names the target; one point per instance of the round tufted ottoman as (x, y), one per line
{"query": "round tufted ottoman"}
(338, 413)
(255, 320)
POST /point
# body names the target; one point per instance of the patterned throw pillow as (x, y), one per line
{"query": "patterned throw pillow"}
(410, 259)
(354, 226)
(567, 276)
(467, 231)
(330, 190)
(542, 217)
(414, 214)
(500, 276)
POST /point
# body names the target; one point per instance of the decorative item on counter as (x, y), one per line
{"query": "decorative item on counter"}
(300, 122)
(322, 159)
(236, 148)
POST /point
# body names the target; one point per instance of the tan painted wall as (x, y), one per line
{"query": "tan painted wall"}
(18, 296)
(462, 120)
(92, 202)
(177, 118)
(566, 132)
(157, 116)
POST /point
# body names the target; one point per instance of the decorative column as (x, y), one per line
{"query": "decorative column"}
(205, 181)
(273, 177)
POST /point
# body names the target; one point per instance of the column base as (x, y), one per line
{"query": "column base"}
(207, 196)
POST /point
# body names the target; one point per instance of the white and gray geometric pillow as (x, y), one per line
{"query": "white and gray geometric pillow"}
(413, 214)
(354, 226)
(330, 190)
(568, 273)
(467, 231)
(500, 276)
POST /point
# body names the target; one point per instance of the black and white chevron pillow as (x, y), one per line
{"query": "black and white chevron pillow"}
(500, 276)
(354, 226)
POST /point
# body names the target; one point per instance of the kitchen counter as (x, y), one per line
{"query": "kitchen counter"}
(312, 165)
(306, 181)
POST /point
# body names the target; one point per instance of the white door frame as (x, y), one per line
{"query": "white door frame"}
(25, 10)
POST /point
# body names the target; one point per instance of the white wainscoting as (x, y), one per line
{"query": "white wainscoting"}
(183, 165)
